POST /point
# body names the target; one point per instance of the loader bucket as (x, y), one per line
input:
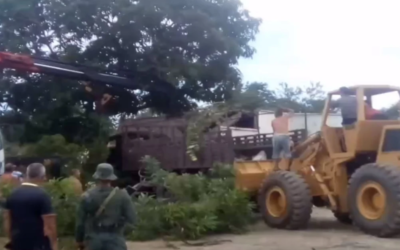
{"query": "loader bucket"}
(250, 174)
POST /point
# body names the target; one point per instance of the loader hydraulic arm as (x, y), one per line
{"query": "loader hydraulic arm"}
(48, 66)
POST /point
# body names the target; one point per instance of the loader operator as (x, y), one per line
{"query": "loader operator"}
(281, 138)
(374, 114)
(348, 106)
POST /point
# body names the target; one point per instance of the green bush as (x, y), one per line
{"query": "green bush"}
(198, 205)
(65, 202)
(202, 205)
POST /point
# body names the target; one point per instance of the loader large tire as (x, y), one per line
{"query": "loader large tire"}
(374, 200)
(285, 201)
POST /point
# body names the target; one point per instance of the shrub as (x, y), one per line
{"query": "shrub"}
(232, 207)
(150, 222)
(64, 201)
(201, 205)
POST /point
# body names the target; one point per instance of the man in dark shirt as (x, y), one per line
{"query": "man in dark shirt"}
(29, 220)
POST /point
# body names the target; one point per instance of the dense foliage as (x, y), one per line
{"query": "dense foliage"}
(69, 155)
(260, 95)
(201, 205)
(197, 205)
(176, 52)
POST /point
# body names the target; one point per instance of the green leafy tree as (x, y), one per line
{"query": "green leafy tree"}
(56, 145)
(193, 46)
(75, 156)
(309, 99)
(252, 96)
(258, 95)
(314, 99)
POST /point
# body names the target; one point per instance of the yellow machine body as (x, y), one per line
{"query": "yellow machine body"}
(326, 161)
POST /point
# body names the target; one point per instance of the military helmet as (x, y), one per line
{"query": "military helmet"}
(104, 171)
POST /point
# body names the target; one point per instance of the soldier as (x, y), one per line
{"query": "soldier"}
(103, 212)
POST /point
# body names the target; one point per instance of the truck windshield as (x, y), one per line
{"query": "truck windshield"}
(386, 101)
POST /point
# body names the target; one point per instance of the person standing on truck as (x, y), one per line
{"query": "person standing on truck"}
(281, 138)
(103, 213)
(347, 103)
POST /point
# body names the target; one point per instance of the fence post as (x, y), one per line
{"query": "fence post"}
(306, 123)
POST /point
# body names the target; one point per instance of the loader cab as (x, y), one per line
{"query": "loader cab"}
(365, 134)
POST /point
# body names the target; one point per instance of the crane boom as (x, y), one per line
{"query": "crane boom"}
(48, 66)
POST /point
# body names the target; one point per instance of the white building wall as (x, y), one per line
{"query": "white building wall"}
(241, 131)
(298, 121)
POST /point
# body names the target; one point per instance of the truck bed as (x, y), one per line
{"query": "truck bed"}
(264, 141)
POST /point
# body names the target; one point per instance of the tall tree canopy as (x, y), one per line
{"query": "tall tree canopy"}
(259, 95)
(193, 45)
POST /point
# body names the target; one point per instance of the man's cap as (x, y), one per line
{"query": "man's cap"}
(105, 172)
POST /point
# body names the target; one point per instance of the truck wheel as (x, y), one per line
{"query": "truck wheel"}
(285, 200)
(374, 199)
(343, 217)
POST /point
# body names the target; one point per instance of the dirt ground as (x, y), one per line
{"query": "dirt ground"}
(324, 233)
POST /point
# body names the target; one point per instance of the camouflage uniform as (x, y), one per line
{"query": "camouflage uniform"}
(104, 230)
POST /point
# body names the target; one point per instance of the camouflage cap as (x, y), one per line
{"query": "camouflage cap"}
(104, 171)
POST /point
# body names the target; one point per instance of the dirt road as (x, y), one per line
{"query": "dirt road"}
(324, 233)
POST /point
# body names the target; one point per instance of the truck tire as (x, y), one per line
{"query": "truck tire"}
(285, 201)
(343, 218)
(374, 199)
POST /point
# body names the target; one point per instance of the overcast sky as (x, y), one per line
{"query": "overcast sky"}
(334, 42)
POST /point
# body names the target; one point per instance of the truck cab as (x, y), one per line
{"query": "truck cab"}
(366, 134)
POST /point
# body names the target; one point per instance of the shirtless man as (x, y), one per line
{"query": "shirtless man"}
(281, 138)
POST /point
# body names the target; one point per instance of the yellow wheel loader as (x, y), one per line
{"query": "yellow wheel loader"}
(354, 170)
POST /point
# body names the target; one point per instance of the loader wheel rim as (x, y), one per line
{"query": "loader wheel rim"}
(371, 200)
(276, 202)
